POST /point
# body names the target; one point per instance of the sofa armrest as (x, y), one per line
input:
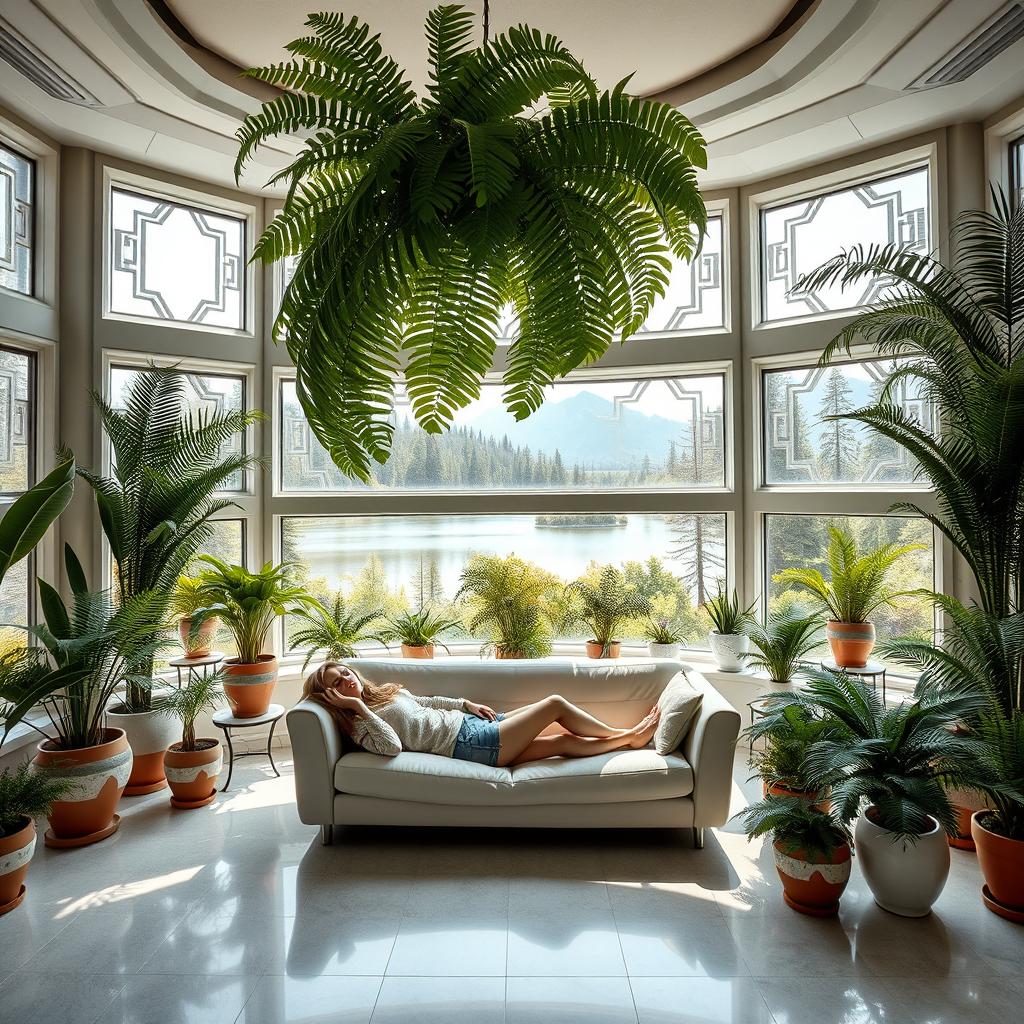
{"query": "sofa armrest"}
(316, 748)
(710, 748)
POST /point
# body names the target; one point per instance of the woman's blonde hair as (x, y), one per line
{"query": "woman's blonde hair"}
(375, 695)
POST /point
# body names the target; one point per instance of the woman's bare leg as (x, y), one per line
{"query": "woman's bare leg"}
(572, 718)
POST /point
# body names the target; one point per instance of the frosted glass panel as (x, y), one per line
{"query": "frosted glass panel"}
(17, 175)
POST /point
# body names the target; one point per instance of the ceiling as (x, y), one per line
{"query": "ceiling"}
(663, 41)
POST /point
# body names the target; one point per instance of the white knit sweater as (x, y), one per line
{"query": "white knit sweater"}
(426, 725)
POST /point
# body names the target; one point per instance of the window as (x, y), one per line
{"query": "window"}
(17, 474)
(173, 262)
(637, 433)
(1017, 171)
(797, 237)
(17, 184)
(802, 447)
(226, 541)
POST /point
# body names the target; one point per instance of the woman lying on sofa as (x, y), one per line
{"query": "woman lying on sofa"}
(387, 719)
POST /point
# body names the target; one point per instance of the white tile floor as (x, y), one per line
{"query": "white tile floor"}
(235, 913)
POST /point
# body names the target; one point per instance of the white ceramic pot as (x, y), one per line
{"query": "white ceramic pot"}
(729, 649)
(905, 877)
(149, 735)
(663, 650)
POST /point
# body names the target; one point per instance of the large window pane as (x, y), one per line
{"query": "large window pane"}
(803, 446)
(801, 541)
(396, 562)
(17, 182)
(798, 237)
(14, 603)
(176, 262)
(1017, 171)
(207, 393)
(593, 435)
(16, 415)
(226, 542)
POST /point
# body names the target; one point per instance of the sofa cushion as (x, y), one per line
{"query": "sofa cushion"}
(428, 778)
(679, 705)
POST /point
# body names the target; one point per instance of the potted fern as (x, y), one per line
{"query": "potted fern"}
(728, 638)
(605, 606)
(788, 733)
(334, 631)
(196, 639)
(781, 646)
(193, 764)
(418, 632)
(664, 638)
(248, 603)
(855, 588)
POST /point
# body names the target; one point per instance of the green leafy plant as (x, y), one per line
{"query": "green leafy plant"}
(335, 631)
(186, 597)
(187, 702)
(511, 601)
(26, 793)
(606, 606)
(663, 631)
(788, 733)
(857, 582)
(416, 220)
(797, 826)
(418, 629)
(781, 646)
(726, 614)
(248, 602)
(157, 505)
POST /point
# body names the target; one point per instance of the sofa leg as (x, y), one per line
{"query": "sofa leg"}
(698, 838)
(326, 835)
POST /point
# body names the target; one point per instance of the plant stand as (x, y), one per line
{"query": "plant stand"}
(869, 673)
(226, 721)
(196, 668)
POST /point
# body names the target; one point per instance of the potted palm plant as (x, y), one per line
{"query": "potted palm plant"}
(193, 764)
(248, 603)
(811, 849)
(787, 732)
(855, 588)
(335, 631)
(156, 508)
(664, 638)
(781, 646)
(605, 606)
(418, 632)
(512, 602)
(197, 639)
(728, 637)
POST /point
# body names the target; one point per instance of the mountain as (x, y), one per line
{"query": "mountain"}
(586, 429)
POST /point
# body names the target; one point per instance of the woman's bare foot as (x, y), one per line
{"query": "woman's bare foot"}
(644, 730)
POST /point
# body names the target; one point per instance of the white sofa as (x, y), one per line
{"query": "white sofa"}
(690, 788)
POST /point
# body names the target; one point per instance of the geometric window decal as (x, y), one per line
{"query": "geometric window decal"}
(175, 262)
(17, 174)
(798, 237)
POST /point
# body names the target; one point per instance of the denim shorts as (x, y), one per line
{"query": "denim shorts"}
(478, 740)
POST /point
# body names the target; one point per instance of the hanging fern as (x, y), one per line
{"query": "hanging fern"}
(415, 220)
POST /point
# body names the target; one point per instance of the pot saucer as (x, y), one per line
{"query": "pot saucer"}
(93, 837)
(7, 907)
(142, 790)
(187, 805)
(1015, 914)
(962, 843)
(811, 911)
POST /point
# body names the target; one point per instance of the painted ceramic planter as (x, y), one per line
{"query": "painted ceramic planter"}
(149, 735)
(200, 645)
(818, 800)
(1002, 863)
(851, 642)
(192, 774)
(730, 650)
(97, 776)
(249, 687)
(15, 856)
(905, 877)
(813, 885)
(670, 651)
(421, 652)
(599, 650)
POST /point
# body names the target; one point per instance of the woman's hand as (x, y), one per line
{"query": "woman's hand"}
(481, 711)
(343, 702)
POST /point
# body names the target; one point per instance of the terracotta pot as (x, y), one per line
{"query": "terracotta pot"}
(598, 650)
(730, 650)
(201, 644)
(422, 652)
(149, 734)
(192, 774)
(504, 654)
(813, 885)
(15, 856)
(98, 776)
(670, 651)
(851, 642)
(250, 686)
(1002, 863)
(817, 800)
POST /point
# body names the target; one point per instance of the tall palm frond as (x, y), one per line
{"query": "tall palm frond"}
(781, 645)
(335, 631)
(415, 220)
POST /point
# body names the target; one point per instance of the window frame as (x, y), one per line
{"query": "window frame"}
(33, 220)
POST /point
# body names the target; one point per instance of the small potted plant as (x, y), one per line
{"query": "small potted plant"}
(335, 631)
(788, 733)
(196, 638)
(728, 637)
(781, 646)
(811, 849)
(856, 588)
(664, 638)
(248, 603)
(605, 606)
(418, 632)
(193, 764)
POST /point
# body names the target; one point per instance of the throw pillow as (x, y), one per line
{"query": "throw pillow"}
(679, 703)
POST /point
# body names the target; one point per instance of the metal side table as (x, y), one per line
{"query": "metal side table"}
(196, 668)
(869, 673)
(223, 719)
